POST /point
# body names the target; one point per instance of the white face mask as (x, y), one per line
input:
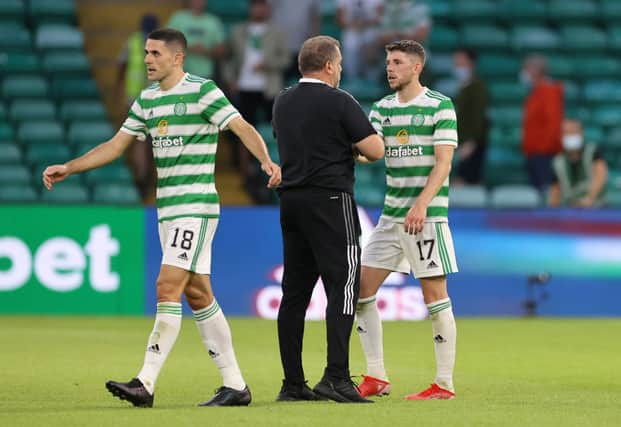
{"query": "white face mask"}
(462, 74)
(572, 142)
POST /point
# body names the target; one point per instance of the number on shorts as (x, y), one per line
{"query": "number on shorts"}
(429, 242)
(186, 240)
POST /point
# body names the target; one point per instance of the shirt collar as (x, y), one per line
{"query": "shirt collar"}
(311, 80)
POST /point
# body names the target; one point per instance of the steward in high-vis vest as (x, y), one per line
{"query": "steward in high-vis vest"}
(580, 171)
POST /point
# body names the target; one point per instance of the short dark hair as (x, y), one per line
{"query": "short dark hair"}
(470, 54)
(170, 36)
(315, 52)
(407, 46)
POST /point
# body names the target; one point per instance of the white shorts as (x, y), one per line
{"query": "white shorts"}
(427, 254)
(186, 243)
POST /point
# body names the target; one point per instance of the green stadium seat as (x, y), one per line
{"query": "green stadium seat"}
(24, 86)
(116, 194)
(441, 64)
(9, 153)
(3, 113)
(443, 37)
(81, 132)
(63, 87)
(364, 90)
(50, 153)
(561, 66)
(602, 91)
(52, 11)
(614, 136)
(16, 39)
(113, 173)
(14, 174)
(571, 91)
(583, 37)
(610, 10)
(369, 196)
(506, 116)
(12, 9)
(6, 132)
(82, 110)
(515, 196)
(498, 65)
(572, 10)
(40, 132)
(441, 9)
(614, 37)
(18, 62)
(577, 112)
(484, 36)
(534, 38)
(22, 193)
(606, 115)
(598, 66)
(524, 11)
(593, 134)
(507, 92)
(66, 63)
(613, 197)
(229, 9)
(505, 137)
(507, 156)
(448, 86)
(30, 109)
(65, 192)
(59, 37)
(471, 196)
(474, 10)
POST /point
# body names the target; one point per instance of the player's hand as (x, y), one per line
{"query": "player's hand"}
(415, 218)
(273, 171)
(53, 174)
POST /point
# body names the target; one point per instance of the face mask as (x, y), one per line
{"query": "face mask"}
(462, 74)
(525, 78)
(572, 142)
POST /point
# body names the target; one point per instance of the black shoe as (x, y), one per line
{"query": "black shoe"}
(342, 390)
(226, 396)
(132, 391)
(297, 392)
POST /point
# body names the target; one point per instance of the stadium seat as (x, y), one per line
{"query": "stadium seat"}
(598, 66)
(443, 37)
(613, 197)
(610, 10)
(3, 113)
(504, 155)
(534, 38)
(572, 91)
(81, 132)
(364, 90)
(18, 193)
(583, 37)
(515, 196)
(507, 91)
(52, 11)
(578, 113)
(18, 62)
(9, 153)
(561, 66)
(27, 109)
(24, 86)
(66, 193)
(593, 134)
(82, 110)
(59, 37)
(6, 132)
(40, 132)
(229, 9)
(484, 36)
(447, 86)
(524, 11)
(607, 115)
(66, 63)
(471, 196)
(441, 9)
(475, 10)
(602, 91)
(498, 65)
(369, 196)
(506, 116)
(50, 153)
(115, 172)
(441, 64)
(15, 39)
(14, 174)
(12, 9)
(116, 194)
(572, 10)
(505, 137)
(71, 88)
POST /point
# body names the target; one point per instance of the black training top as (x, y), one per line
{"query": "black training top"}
(315, 126)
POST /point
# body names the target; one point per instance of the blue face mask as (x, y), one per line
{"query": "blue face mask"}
(462, 74)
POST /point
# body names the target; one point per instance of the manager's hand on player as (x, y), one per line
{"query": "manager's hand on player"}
(273, 171)
(53, 174)
(415, 219)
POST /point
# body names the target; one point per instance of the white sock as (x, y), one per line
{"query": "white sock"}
(444, 341)
(370, 333)
(161, 341)
(216, 336)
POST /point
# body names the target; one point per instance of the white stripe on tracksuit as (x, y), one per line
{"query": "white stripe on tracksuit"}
(352, 255)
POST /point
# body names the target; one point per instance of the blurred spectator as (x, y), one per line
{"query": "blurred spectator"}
(259, 58)
(580, 171)
(300, 20)
(471, 105)
(404, 19)
(359, 20)
(132, 79)
(205, 34)
(541, 127)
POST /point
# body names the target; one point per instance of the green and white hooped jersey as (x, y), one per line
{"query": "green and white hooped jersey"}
(184, 123)
(410, 131)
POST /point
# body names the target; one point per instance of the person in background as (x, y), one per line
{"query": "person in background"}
(541, 122)
(580, 171)
(259, 56)
(359, 20)
(206, 38)
(404, 20)
(471, 105)
(300, 20)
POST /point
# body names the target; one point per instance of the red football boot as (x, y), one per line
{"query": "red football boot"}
(371, 386)
(433, 392)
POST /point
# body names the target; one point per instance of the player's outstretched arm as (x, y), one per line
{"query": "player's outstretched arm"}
(255, 144)
(100, 155)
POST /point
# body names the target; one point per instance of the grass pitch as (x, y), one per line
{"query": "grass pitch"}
(510, 372)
